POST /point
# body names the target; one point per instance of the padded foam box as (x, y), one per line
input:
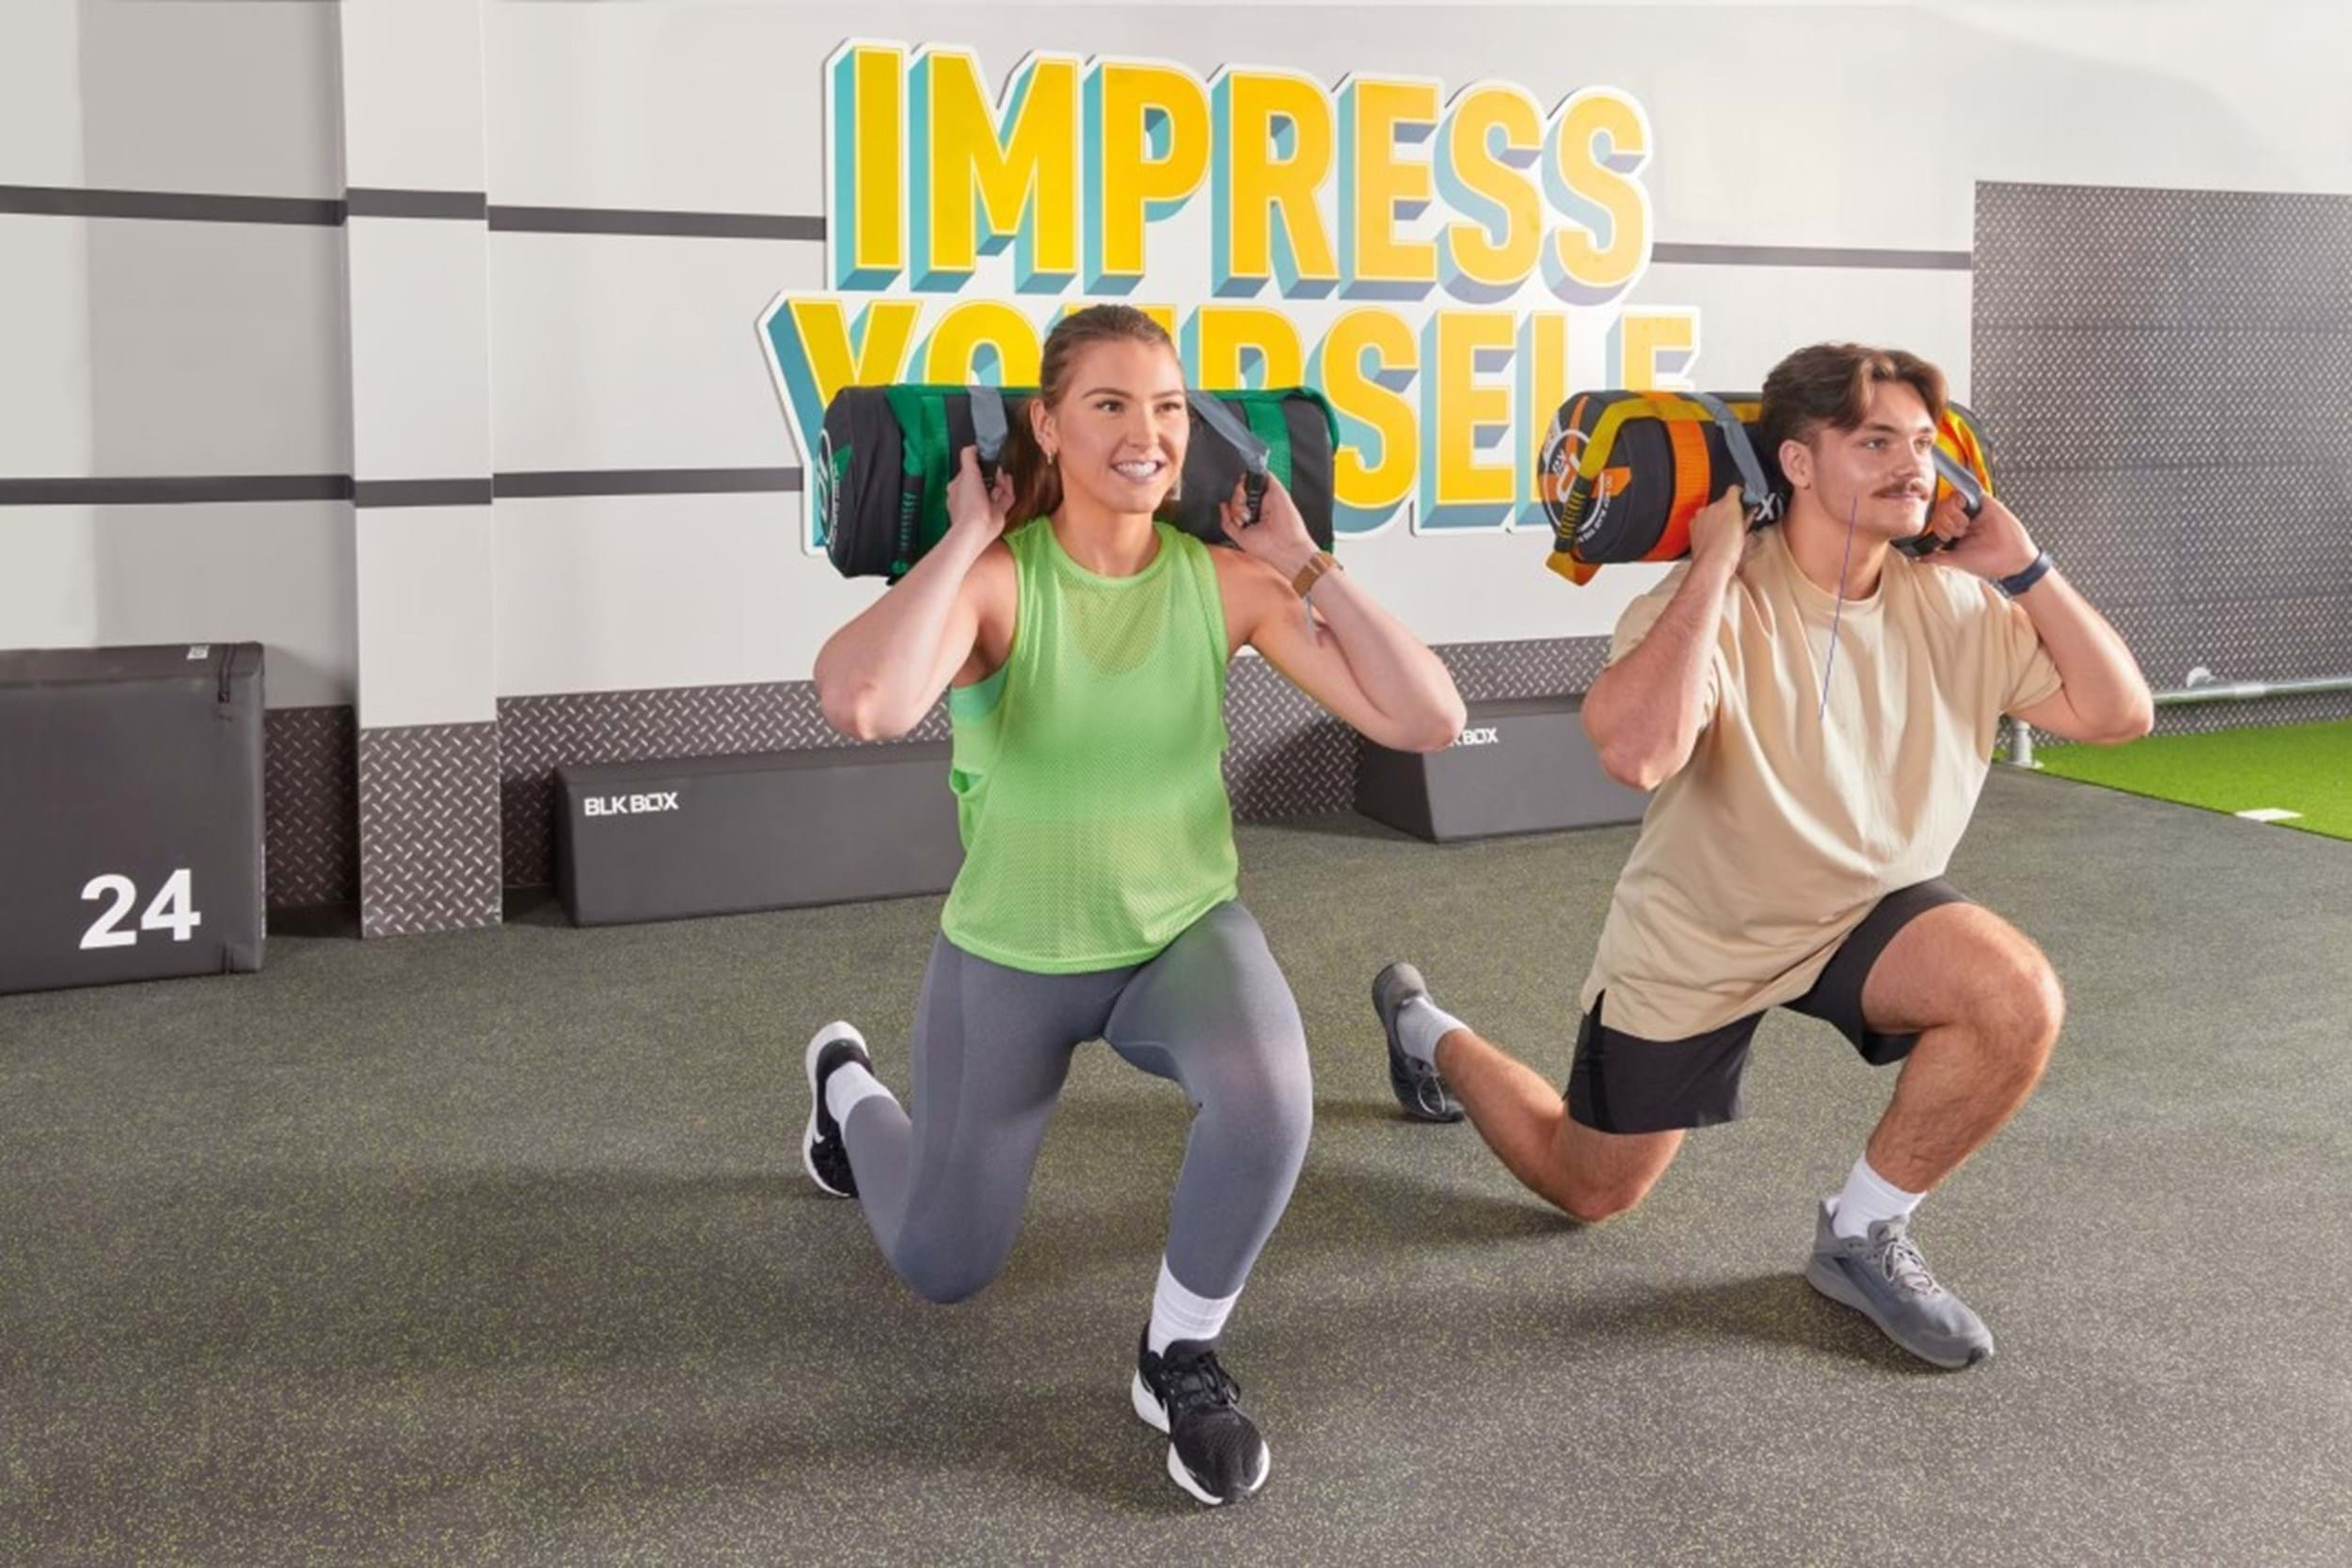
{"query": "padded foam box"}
(130, 814)
(676, 837)
(1520, 766)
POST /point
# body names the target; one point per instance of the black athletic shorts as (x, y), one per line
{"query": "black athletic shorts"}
(1621, 1082)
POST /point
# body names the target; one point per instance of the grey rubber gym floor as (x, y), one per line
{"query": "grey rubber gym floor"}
(494, 1247)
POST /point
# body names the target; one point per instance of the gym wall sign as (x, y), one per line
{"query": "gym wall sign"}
(1443, 269)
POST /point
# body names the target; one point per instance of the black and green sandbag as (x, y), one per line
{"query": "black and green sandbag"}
(877, 489)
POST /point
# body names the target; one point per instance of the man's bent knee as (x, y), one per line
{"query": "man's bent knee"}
(1595, 1176)
(1591, 1205)
(2019, 1010)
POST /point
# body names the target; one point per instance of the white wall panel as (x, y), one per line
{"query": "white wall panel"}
(1848, 126)
(693, 108)
(214, 348)
(48, 580)
(636, 352)
(44, 347)
(615, 593)
(221, 97)
(420, 389)
(41, 97)
(412, 94)
(1751, 316)
(279, 574)
(425, 605)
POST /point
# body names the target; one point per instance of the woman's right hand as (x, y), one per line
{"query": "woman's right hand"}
(975, 507)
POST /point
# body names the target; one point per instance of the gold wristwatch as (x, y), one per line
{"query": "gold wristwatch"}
(1318, 564)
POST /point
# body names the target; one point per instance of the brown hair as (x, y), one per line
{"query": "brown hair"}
(1035, 482)
(1829, 383)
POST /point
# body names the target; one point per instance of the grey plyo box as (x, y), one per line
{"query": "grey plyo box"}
(130, 814)
(664, 840)
(1521, 766)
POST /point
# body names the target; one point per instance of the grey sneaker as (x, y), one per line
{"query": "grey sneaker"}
(1419, 1089)
(1883, 1276)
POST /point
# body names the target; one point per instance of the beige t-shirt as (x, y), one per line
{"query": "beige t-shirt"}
(1788, 824)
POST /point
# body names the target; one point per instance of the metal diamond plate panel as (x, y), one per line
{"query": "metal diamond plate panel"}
(428, 829)
(1541, 667)
(2088, 255)
(1286, 756)
(2161, 375)
(311, 798)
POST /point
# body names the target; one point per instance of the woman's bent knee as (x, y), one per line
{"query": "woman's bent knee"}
(949, 1274)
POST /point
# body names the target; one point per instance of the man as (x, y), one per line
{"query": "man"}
(1817, 712)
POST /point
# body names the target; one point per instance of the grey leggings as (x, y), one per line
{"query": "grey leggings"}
(944, 1190)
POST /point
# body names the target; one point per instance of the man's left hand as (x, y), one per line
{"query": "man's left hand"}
(1992, 545)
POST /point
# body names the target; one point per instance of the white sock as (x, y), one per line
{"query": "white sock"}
(846, 1085)
(1178, 1314)
(1867, 1199)
(1421, 1023)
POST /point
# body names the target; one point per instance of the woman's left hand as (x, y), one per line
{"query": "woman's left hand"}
(1279, 539)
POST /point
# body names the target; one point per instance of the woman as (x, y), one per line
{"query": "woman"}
(1088, 651)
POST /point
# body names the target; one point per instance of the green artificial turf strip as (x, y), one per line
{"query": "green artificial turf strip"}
(2299, 767)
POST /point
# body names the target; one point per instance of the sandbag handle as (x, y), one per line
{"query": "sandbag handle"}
(1953, 472)
(1753, 493)
(988, 429)
(1248, 445)
(1956, 474)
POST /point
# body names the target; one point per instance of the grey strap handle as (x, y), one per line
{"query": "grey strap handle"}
(1753, 493)
(1955, 473)
(988, 427)
(1248, 445)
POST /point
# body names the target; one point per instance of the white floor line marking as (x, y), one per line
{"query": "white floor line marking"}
(2270, 814)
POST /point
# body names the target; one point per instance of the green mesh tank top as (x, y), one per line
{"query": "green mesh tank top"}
(1087, 772)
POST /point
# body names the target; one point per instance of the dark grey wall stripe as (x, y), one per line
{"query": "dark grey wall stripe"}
(1806, 255)
(175, 489)
(421, 492)
(63, 201)
(197, 488)
(417, 204)
(614, 220)
(647, 481)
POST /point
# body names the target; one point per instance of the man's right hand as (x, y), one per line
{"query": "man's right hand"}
(1721, 527)
(976, 510)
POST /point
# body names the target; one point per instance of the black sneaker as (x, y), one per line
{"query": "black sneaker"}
(821, 1150)
(1419, 1089)
(1214, 1451)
